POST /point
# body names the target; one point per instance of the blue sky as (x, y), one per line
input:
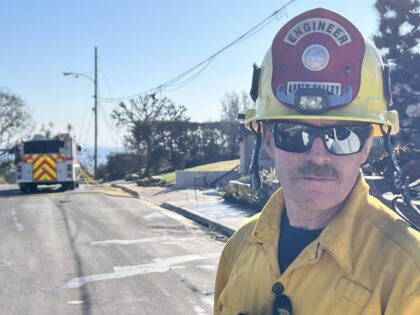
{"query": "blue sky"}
(141, 44)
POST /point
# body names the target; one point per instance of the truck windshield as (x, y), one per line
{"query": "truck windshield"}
(50, 146)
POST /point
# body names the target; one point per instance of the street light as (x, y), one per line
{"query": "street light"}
(76, 75)
(95, 108)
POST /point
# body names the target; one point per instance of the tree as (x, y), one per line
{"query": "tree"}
(233, 103)
(15, 117)
(69, 128)
(141, 117)
(47, 130)
(118, 165)
(180, 144)
(398, 39)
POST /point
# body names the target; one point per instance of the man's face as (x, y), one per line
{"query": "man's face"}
(316, 179)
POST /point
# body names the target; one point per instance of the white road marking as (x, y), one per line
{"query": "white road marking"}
(152, 216)
(19, 226)
(199, 310)
(158, 265)
(159, 239)
(207, 267)
(208, 300)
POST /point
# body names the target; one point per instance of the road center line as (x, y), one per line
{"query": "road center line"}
(153, 216)
(19, 226)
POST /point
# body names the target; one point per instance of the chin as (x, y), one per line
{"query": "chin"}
(323, 201)
(316, 199)
(318, 192)
(321, 206)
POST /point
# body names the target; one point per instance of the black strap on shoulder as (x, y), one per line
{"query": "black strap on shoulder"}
(255, 165)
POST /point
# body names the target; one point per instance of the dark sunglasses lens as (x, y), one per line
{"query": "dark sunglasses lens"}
(291, 137)
(344, 140)
(339, 140)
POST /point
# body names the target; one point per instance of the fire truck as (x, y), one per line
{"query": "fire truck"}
(47, 161)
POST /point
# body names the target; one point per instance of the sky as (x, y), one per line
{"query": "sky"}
(141, 44)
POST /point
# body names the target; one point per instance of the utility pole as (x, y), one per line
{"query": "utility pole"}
(95, 161)
(95, 107)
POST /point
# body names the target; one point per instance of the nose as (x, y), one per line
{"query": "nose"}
(318, 154)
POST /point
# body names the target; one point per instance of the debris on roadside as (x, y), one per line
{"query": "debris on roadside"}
(151, 181)
(239, 191)
(131, 177)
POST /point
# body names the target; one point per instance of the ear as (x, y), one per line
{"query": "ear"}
(366, 149)
(268, 140)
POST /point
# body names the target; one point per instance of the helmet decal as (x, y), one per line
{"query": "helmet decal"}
(318, 25)
(315, 57)
(317, 54)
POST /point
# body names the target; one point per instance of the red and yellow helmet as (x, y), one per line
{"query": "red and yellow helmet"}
(319, 66)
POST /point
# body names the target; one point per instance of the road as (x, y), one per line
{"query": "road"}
(99, 252)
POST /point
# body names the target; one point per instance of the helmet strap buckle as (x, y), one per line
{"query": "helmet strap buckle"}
(255, 82)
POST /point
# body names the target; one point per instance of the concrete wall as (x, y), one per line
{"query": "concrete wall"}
(191, 179)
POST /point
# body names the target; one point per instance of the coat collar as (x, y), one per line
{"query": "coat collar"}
(337, 236)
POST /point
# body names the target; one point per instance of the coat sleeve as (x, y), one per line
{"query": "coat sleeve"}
(222, 277)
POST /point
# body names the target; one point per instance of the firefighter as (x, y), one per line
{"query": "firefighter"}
(322, 244)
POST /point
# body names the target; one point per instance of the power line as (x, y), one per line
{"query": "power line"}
(88, 127)
(104, 77)
(208, 60)
(177, 86)
(84, 113)
(110, 127)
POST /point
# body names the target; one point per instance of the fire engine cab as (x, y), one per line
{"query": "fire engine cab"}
(47, 161)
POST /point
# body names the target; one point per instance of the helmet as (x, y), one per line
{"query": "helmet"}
(319, 66)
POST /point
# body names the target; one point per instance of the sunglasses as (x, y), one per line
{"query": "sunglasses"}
(338, 139)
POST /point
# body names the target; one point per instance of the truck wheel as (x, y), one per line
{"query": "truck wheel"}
(69, 186)
(23, 188)
(32, 188)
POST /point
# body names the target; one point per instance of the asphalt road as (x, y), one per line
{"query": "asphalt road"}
(90, 252)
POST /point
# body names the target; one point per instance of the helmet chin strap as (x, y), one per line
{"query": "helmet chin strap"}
(401, 187)
(255, 166)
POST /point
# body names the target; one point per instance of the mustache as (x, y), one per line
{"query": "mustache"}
(310, 169)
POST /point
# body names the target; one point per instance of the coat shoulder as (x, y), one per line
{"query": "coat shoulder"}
(393, 230)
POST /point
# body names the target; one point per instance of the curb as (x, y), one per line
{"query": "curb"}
(226, 231)
(127, 190)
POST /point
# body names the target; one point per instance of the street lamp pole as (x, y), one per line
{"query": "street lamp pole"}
(95, 108)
